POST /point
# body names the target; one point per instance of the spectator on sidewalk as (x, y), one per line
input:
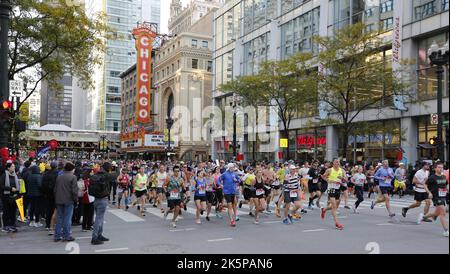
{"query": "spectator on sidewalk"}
(66, 195)
(9, 192)
(48, 188)
(35, 196)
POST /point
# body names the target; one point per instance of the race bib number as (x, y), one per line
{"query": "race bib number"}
(335, 185)
(293, 194)
(442, 192)
(259, 192)
(174, 194)
(201, 190)
(276, 183)
(315, 181)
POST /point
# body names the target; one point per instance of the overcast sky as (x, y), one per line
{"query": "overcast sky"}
(165, 13)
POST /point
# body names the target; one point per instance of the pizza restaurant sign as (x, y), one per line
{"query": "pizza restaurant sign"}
(310, 140)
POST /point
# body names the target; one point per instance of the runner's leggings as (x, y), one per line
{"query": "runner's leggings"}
(359, 190)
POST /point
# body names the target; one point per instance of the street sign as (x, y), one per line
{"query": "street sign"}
(434, 119)
(24, 112)
(16, 88)
(284, 143)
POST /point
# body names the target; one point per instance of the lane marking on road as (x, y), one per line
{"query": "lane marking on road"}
(112, 249)
(220, 240)
(126, 216)
(184, 229)
(385, 224)
(81, 238)
(314, 230)
(272, 222)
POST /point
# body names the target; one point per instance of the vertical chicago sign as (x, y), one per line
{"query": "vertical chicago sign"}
(144, 36)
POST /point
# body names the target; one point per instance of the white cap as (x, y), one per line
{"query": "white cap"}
(114, 163)
(230, 166)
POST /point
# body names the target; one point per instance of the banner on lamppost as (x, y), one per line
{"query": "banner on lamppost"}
(144, 36)
(397, 36)
(24, 112)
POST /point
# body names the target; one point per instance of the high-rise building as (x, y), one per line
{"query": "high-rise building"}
(248, 32)
(104, 101)
(56, 105)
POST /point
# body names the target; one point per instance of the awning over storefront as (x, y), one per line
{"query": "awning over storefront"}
(426, 146)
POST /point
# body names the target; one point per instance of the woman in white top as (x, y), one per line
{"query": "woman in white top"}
(359, 179)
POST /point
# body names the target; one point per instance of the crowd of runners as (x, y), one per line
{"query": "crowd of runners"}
(216, 188)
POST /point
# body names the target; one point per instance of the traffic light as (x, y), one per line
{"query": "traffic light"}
(6, 116)
(433, 141)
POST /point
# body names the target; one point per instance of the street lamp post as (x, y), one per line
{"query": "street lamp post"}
(234, 104)
(169, 122)
(102, 145)
(439, 58)
(5, 10)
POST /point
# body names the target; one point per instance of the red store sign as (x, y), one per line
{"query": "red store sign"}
(309, 140)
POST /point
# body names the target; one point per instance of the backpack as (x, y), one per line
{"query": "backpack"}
(98, 187)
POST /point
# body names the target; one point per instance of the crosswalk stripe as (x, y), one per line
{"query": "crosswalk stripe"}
(126, 216)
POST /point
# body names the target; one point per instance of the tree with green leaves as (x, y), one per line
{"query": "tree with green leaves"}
(355, 74)
(288, 85)
(50, 38)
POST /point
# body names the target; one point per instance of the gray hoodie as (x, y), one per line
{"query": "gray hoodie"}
(66, 189)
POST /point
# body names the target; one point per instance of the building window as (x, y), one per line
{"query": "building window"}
(194, 43)
(370, 12)
(195, 63)
(205, 44)
(387, 23)
(173, 68)
(116, 126)
(445, 4)
(370, 27)
(209, 67)
(425, 10)
(387, 6)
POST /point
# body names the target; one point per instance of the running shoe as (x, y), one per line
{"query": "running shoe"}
(322, 215)
(290, 218)
(207, 218)
(446, 233)
(339, 226)
(372, 206)
(286, 222)
(256, 222)
(237, 219)
(198, 221)
(251, 214)
(426, 220)
(346, 207)
(174, 225)
(240, 204)
(165, 214)
(404, 210)
(355, 210)
(420, 219)
(232, 223)
(304, 211)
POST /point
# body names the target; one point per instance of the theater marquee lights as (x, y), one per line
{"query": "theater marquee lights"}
(144, 36)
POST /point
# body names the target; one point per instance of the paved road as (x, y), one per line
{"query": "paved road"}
(369, 231)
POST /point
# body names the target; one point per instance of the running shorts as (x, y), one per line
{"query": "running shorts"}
(385, 189)
(159, 190)
(439, 202)
(173, 203)
(343, 188)
(229, 198)
(219, 195)
(288, 199)
(323, 186)
(420, 196)
(313, 187)
(140, 193)
(209, 197)
(201, 198)
(267, 191)
(247, 193)
(334, 193)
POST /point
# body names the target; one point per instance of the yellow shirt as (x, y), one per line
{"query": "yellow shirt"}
(42, 167)
(248, 181)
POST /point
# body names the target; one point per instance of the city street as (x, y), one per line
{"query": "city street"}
(367, 232)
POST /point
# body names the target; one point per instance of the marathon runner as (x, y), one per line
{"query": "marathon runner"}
(228, 180)
(269, 177)
(209, 192)
(359, 179)
(218, 190)
(248, 179)
(258, 195)
(370, 180)
(174, 186)
(384, 175)
(313, 184)
(200, 195)
(334, 176)
(291, 195)
(161, 176)
(123, 188)
(140, 189)
(420, 192)
(436, 188)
